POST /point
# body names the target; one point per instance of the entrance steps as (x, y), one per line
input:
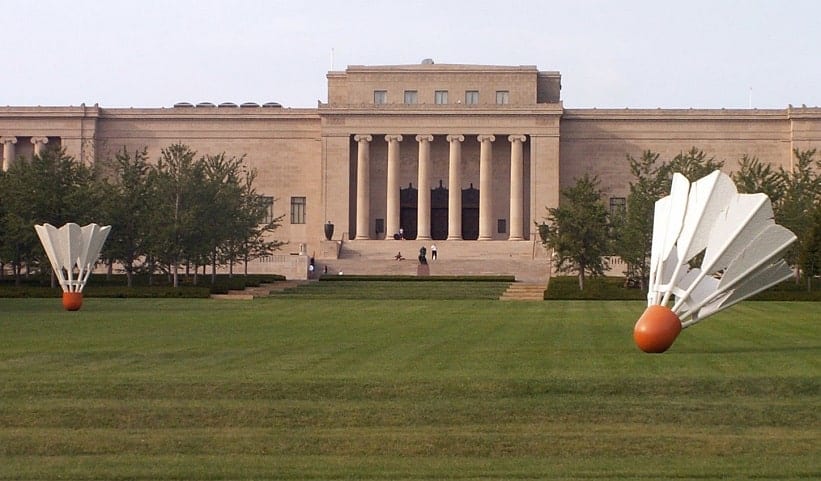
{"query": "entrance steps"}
(523, 259)
(524, 291)
(263, 290)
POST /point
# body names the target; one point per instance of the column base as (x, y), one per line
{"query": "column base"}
(516, 238)
(361, 238)
(425, 238)
(454, 238)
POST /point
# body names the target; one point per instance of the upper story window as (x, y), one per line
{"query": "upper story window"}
(410, 96)
(380, 97)
(472, 97)
(617, 204)
(297, 210)
(440, 97)
(502, 97)
(267, 202)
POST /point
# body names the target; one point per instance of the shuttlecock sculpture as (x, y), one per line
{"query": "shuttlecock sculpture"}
(72, 250)
(742, 249)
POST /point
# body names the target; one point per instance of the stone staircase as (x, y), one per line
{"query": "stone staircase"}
(263, 290)
(522, 259)
(524, 291)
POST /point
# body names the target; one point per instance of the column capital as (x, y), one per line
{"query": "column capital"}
(363, 138)
(393, 138)
(486, 138)
(455, 137)
(8, 140)
(424, 138)
(516, 138)
(39, 140)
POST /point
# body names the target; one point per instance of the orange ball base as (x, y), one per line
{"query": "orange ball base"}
(72, 301)
(656, 329)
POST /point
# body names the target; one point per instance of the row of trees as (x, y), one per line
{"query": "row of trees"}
(183, 209)
(583, 234)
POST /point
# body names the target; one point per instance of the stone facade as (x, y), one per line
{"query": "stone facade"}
(453, 152)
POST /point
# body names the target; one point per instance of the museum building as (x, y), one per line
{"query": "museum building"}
(469, 156)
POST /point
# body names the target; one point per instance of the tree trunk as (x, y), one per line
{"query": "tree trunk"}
(176, 280)
(213, 266)
(581, 277)
(150, 270)
(110, 270)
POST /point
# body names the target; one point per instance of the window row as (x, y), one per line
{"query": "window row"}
(440, 97)
(297, 209)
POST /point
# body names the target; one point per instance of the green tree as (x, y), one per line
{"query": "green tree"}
(578, 230)
(222, 188)
(253, 235)
(175, 180)
(693, 164)
(51, 188)
(754, 176)
(633, 228)
(128, 204)
(802, 193)
(809, 257)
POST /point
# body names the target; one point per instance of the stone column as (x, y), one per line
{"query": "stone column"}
(363, 187)
(423, 204)
(516, 186)
(486, 187)
(8, 151)
(392, 215)
(39, 144)
(455, 187)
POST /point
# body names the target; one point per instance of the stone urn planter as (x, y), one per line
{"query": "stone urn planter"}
(329, 230)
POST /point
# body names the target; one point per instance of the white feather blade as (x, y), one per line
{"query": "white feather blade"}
(49, 237)
(760, 281)
(708, 197)
(766, 246)
(668, 217)
(94, 237)
(697, 288)
(72, 242)
(745, 217)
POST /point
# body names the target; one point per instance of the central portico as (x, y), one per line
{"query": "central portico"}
(440, 152)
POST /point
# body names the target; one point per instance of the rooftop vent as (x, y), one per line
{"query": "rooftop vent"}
(228, 104)
(272, 104)
(427, 61)
(249, 104)
(183, 104)
(205, 104)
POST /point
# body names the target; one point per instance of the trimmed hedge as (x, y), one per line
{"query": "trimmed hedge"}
(410, 278)
(100, 286)
(612, 288)
(595, 288)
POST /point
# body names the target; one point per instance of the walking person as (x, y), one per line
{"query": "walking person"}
(433, 252)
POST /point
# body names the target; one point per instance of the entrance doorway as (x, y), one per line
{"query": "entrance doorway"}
(408, 211)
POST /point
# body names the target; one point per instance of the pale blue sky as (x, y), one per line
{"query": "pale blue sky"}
(637, 54)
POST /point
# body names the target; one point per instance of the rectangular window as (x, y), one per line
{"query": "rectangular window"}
(380, 97)
(410, 96)
(440, 97)
(379, 226)
(297, 210)
(472, 97)
(502, 97)
(617, 204)
(267, 202)
(501, 226)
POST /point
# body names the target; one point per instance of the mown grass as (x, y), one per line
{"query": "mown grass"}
(403, 389)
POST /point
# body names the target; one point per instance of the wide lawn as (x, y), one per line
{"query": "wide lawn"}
(403, 389)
